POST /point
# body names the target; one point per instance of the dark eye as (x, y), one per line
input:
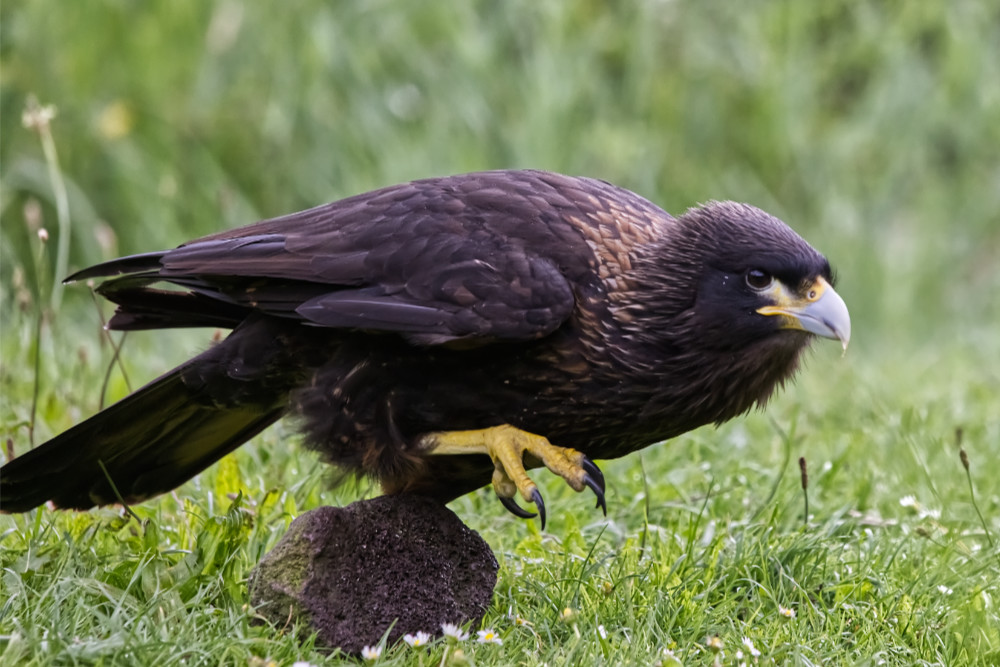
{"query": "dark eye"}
(758, 279)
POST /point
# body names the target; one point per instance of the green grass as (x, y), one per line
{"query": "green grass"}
(871, 127)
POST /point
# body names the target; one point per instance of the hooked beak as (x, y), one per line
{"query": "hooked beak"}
(818, 309)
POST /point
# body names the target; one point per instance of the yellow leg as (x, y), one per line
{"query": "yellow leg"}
(506, 446)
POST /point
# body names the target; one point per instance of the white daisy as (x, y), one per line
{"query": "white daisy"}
(488, 636)
(419, 639)
(452, 631)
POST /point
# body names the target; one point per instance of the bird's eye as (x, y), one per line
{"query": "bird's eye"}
(758, 279)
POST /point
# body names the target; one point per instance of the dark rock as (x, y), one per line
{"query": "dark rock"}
(351, 572)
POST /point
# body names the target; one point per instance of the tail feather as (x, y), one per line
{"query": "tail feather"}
(146, 444)
(166, 432)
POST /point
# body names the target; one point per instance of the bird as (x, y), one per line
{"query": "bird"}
(449, 333)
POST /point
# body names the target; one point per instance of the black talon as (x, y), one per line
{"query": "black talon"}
(598, 490)
(517, 510)
(536, 497)
(594, 478)
(591, 469)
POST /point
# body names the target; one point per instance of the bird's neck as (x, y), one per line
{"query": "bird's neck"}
(685, 380)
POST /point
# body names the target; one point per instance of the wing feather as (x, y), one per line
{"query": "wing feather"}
(488, 256)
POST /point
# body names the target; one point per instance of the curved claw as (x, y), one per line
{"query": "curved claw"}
(594, 478)
(591, 469)
(598, 490)
(536, 497)
(517, 510)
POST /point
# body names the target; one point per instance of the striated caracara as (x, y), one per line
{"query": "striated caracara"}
(444, 333)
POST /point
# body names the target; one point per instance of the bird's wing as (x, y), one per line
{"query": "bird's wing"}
(432, 263)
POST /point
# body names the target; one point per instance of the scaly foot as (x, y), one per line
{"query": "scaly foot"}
(506, 446)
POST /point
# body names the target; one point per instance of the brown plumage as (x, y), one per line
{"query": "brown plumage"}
(385, 322)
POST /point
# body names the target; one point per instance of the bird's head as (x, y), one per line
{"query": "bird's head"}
(726, 301)
(733, 277)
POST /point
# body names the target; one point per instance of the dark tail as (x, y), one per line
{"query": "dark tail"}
(149, 443)
(163, 434)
